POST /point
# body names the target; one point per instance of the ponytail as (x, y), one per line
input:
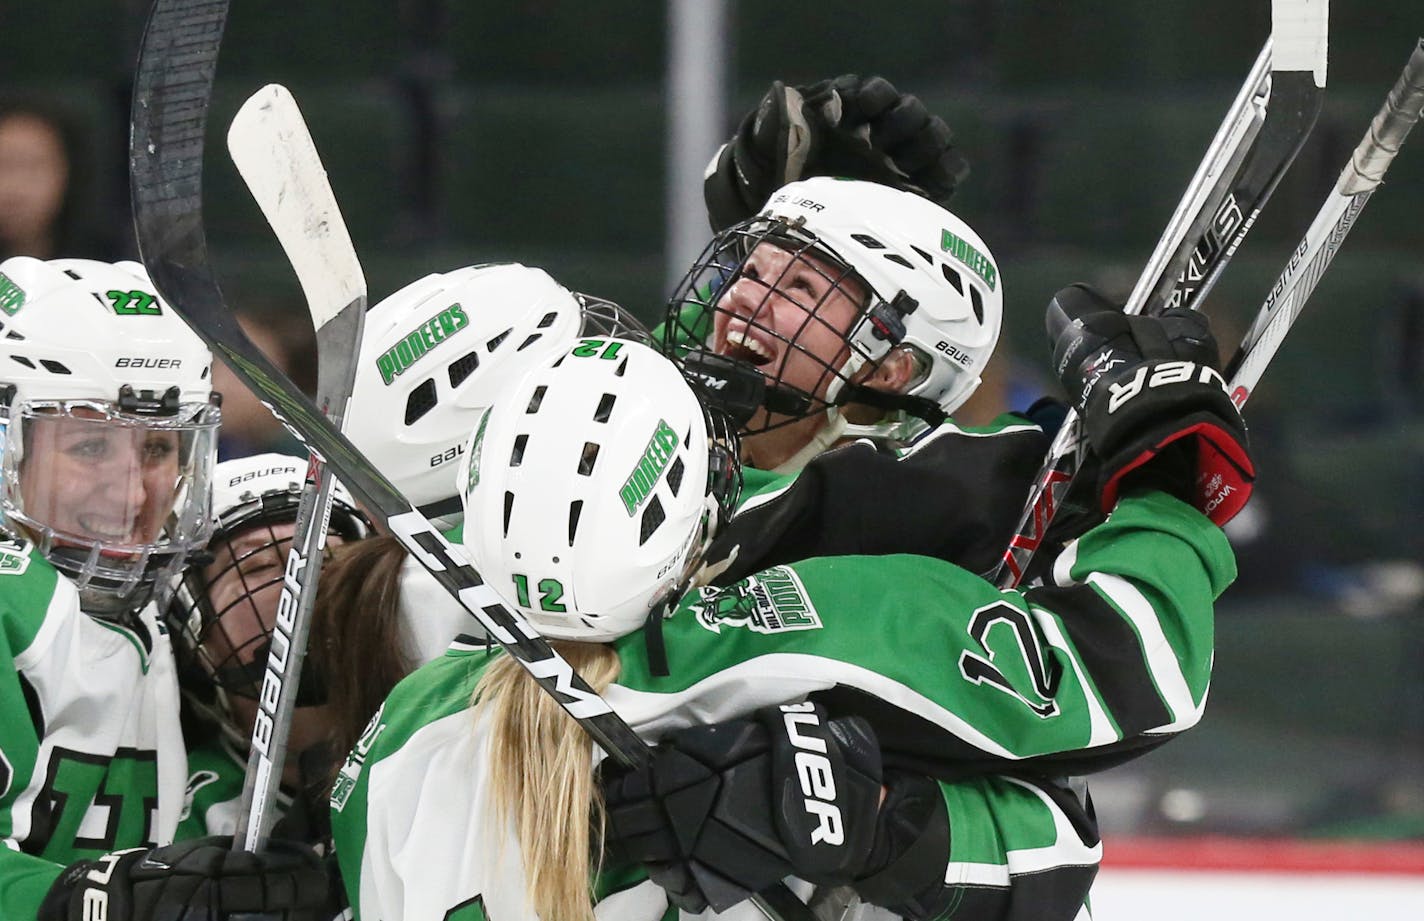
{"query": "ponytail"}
(542, 779)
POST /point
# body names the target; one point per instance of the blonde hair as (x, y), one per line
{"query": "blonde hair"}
(542, 779)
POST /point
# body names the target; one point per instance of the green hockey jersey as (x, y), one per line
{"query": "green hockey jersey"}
(958, 678)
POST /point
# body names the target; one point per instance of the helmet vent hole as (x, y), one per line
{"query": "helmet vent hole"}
(495, 342)
(463, 367)
(621, 369)
(530, 340)
(508, 509)
(674, 475)
(605, 408)
(653, 516)
(75, 275)
(23, 360)
(575, 510)
(548, 320)
(516, 456)
(54, 367)
(588, 458)
(899, 260)
(867, 241)
(420, 401)
(951, 276)
(977, 300)
(536, 399)
(929, 260)
(14, 335)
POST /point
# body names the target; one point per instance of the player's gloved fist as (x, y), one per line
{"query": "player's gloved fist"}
(198, 880)
(1155, 409)
(883, 135)
(726, 810)
(860, 129)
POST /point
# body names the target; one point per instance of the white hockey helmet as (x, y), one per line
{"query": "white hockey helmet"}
(440, 350)
(109, 426)
(222, 642)
(923, 277)
(592, 489)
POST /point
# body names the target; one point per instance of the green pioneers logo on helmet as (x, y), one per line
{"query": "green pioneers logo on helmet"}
(396, 360)
(12, 296)
(651, 465)
(973, 260)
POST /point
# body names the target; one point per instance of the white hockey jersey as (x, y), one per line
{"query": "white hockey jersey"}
(91, 752)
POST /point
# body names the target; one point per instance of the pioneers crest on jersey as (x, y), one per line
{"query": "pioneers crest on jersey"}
(14, 556)
(351, 771)
(772, 601)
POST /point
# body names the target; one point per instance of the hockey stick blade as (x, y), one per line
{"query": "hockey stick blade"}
(1298, 55)
(1358, 181)
(174, 81)
(177, 62)
(272, 149)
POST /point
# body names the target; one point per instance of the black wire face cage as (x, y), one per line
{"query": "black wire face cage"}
(768, 285)
(605, 318)
(724, 465)
(230, 644)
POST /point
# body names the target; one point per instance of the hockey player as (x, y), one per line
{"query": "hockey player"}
(108, 445)
(595, 487)
(221, 617)
(435, 354)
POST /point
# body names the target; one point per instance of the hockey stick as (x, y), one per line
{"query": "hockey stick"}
(271, 148)
(177, 63)
(1358, 180)
(1297, 52)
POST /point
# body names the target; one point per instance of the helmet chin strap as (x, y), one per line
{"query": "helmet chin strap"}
(823, 438)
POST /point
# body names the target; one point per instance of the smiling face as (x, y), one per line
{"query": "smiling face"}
(86, 477)
(244, 587)
(788, 314)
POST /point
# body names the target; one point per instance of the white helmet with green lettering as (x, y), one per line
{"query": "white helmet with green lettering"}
(108, 429)
(593, 488)
(440, 350)
(923, 279)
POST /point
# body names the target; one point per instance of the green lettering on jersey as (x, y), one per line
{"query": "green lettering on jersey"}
(649, 468)
(12, 296)
(772, 601)
(473, 910)
(14, 557)
(973, 260)
(122, 790)
(419, 342)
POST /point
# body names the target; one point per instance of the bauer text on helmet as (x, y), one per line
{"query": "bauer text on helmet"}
(109, 426)
(831, 284)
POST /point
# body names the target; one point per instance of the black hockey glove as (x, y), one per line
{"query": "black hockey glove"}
(859, 129)
(1156, 413)
(198, 880)
(726, 810)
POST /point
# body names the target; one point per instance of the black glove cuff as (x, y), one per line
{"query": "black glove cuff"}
(911, 844)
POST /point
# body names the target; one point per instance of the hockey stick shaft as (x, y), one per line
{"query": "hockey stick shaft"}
(274, 152)
(177, 63)
(1300, 29)
(1223, 156)
(174, 81)
(1368, 163)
